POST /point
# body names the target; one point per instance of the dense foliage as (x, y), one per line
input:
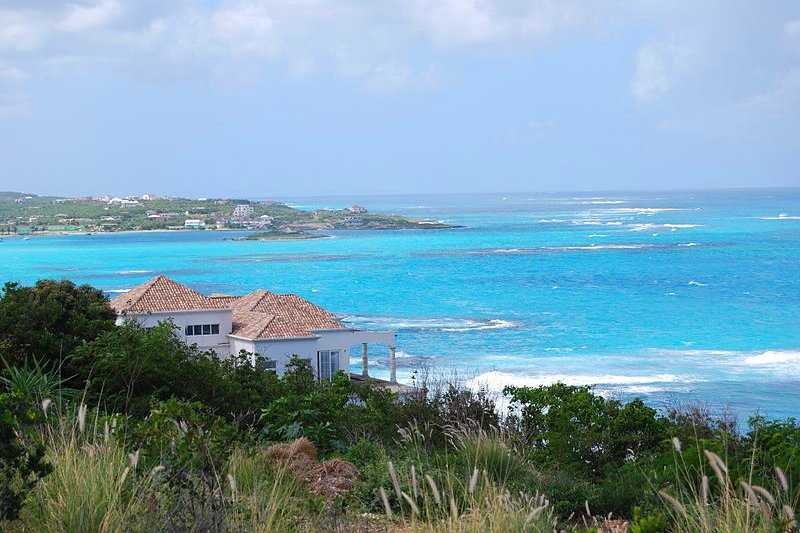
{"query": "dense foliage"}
(49, 320)
(172, 430)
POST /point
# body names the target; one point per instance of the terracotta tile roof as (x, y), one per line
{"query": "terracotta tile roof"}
(292, 316)
(259, 315)
(161, 294)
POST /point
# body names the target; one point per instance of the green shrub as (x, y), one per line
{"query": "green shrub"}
(22, 463)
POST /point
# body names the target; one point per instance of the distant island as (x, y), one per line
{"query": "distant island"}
(277, 236)
(25, 214)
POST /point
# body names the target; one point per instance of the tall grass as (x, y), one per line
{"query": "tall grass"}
(485, 450)
(95, 485)
(263, 498)
(417, 503)
(721, 505)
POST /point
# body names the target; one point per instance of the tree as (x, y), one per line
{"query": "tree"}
(22, 464)
(572, 427)
(50, 319)
(128, 366)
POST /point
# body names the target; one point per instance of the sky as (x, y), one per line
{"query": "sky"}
(260, 98)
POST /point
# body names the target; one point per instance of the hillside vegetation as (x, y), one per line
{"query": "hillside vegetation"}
(118, 428)
(27, 213)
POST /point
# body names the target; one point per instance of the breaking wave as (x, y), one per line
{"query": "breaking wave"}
(496, 381)
(661, 227)
(782, 216)
(430, 324)
(774, 357)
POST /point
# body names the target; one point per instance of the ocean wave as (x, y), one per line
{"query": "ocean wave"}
(657, 227)
(485, 252)
(697, 284)
(594, 235)
(136, 272)
(643, 210)
(783, 362)
(496, 380)
(601, 202)
(116, 291)
(430, 324)
(782, 216)
(494, 323)
(593, 222)
(773, 357)
(595, 247)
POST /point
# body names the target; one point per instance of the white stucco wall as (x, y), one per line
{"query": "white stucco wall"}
(282, 350)
(181, 319)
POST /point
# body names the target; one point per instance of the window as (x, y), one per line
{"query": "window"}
(269, 364)
(201, 329)
(328, 364)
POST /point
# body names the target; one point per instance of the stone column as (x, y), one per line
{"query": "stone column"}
(364, 360)
(392, 365)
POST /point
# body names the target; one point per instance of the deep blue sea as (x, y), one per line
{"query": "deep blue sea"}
(675, 297)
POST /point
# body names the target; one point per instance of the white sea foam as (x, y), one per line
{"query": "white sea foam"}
(430, 324)
(594, 235)
(773, 357)
(643, 210)
(134, 272)
(495, 380)
(507, 250)
(690, 244)
(601, 202)
(495, 323)
(654, 227)
(594, 222)
(595, 247)
(782, 216)
(118, 291)
(697, 284)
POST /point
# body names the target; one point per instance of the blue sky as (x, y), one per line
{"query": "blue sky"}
(296, 97)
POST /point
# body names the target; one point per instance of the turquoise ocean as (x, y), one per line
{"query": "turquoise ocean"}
(675, 297)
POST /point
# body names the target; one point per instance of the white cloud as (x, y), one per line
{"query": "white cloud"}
(779, 101)
(84, 17)
(20, 31)
(456, 22)
(246, 28)
(658, 67)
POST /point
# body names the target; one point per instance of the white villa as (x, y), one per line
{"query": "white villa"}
(276, 326)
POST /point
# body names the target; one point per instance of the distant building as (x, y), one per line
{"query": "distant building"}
(357, 209)
(194, 223)
(149, 197)
(353, 221)
(243, 211)
(123, 202)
